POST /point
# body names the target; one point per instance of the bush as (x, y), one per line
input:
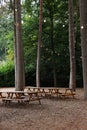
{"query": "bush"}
(6, 74)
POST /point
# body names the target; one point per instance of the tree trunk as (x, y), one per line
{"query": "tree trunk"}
(83, 24)
(39, 46)
(72, 82)
(53, 50)
(19, 61)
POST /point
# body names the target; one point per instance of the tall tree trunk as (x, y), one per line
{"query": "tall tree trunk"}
(39, 46)
(53, 50)
(19, 60)
(72, 82)
(83, 24)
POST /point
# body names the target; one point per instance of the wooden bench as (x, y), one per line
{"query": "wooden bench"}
(8, 100)
(20, 96)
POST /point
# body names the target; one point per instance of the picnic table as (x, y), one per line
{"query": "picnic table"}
(69, 92)
(53, 91)
(20, 96)
(44, 91)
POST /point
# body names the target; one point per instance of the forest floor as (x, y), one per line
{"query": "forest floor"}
(52, 114)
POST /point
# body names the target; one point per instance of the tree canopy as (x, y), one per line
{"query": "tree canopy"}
(57, 11)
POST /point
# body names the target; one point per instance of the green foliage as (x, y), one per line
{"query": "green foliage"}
(59, 10)
(30, 20)
(5, 67)
(6, 35)
(6, 74)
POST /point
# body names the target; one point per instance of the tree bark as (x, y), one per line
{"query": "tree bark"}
(39, 46)
(72, 82)
(83, 25)
(19, 60)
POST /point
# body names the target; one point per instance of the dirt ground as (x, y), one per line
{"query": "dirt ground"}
(52, 114)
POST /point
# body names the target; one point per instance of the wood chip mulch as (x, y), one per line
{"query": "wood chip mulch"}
(52, 114)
